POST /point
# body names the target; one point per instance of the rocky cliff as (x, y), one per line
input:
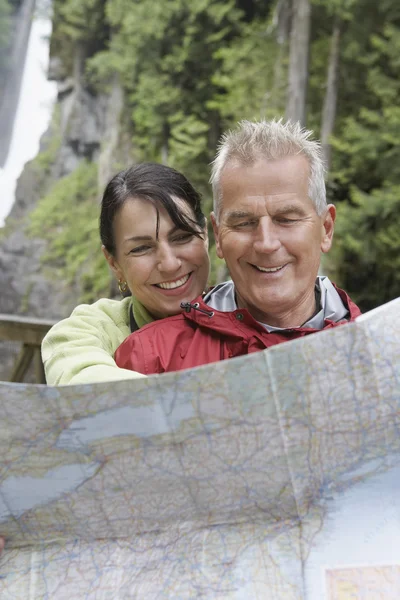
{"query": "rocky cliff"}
(50, 253)
(85, 128)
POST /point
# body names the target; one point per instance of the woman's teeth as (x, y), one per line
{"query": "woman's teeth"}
(171, 285)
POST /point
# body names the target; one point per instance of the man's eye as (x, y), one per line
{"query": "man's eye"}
(284, 220)
(183, 238)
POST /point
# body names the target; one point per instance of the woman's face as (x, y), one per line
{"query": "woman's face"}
(160, 272)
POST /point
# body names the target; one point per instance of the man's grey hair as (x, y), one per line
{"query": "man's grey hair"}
(270, 140)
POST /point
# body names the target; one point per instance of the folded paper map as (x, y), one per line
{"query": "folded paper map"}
(271, 476)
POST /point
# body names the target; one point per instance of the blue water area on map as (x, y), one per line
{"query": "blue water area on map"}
(361, 526)
(20, 494)
(142, 421)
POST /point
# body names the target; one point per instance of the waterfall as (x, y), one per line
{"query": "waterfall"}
(35, 105)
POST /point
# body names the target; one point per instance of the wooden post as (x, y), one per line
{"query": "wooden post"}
(30, 332)
(40, 376)
(23, 361)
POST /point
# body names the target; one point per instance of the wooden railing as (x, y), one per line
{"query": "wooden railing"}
(30, 332)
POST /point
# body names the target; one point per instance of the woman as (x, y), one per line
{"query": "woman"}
(154, 238)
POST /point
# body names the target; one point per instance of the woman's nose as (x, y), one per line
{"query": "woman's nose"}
(168, 261)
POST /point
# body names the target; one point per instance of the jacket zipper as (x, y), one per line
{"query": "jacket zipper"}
(187, 306)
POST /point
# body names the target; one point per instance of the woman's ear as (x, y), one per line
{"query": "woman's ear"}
(113, 264)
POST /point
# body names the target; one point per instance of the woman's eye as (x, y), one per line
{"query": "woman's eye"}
(244, 224)
(139, 250)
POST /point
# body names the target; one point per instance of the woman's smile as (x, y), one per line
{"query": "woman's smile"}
(175, 286)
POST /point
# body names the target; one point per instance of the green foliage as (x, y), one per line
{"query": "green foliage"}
(67, 217)
(46, 158)
(166, 54)
(190, 70)
(342, 9)
(252, 77)
(78, 17)
(187, 141)
(366, 258)
(367, 173)
(80, 30)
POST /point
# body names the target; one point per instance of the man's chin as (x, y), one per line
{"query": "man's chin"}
(261, 305)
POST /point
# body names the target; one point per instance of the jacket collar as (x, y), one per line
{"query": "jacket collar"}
(335, 304)
(140, 314)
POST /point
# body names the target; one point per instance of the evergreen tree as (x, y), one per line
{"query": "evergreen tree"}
(166, 55)
(366, 258)
(190, 70)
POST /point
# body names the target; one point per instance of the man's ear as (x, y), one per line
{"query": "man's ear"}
(114, 266)
(215, 227)
(328, 228)
(206, 240)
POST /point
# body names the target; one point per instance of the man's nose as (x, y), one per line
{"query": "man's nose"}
(267, 238)
(168, 261)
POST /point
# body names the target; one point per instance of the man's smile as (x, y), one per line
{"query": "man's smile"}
(269, 269)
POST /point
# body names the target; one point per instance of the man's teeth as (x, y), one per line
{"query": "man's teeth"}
(271, 270)
(171, 285)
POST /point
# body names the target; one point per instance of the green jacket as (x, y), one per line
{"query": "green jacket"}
(80, 349)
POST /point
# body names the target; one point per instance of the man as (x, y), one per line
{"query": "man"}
(271, 223)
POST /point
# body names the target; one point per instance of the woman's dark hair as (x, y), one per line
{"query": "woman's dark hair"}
(159, 185)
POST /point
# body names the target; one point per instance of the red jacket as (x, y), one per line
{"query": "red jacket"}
(195, 338)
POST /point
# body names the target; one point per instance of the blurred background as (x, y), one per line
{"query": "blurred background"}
(89, 86)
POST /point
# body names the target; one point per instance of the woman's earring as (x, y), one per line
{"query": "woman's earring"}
(122, 286)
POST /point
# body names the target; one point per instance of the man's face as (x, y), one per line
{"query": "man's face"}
(271, 238)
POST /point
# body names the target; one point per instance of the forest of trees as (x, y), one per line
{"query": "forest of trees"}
(190, 70)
